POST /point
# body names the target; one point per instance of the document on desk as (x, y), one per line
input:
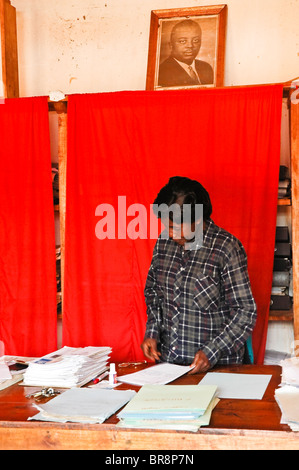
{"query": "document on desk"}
(172, 401)
(181, 407)
(178, 424)
(83, 405)
(159, 374)
(238, 386)
(4, 372)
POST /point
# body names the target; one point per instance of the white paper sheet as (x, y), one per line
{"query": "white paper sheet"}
(4, 372)
(159, 374)
(238, 386)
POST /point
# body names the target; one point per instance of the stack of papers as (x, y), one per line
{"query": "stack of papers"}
(178, 407)
(67, 367)
(4, 372)
(159, 374)
(287, 395)
(290, 371)
(8, 377)
(83, 405)
(287, 398)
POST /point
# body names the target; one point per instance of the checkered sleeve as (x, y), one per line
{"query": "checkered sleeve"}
(242, 317)
(152, 300)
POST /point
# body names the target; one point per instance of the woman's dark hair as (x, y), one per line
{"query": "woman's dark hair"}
(183, 191)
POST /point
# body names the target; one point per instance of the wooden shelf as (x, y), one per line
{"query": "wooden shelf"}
(284, 201)
(281, 315)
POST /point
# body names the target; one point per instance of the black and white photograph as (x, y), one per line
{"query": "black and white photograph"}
(186, 48)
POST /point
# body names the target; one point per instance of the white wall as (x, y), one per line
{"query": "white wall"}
(88, 46)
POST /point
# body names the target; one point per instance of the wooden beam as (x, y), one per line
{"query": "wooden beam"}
(9, 49)
(50, 436)
(62, 162)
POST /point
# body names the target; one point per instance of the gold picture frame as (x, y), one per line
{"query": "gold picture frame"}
(187, 48)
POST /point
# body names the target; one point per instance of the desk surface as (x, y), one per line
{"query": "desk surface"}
(235, 424)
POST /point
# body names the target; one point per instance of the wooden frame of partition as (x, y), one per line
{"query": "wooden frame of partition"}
(9, 49)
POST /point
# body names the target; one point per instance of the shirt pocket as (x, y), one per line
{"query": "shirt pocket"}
(206, 293)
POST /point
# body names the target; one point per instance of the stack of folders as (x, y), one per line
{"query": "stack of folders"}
(178, 407)
(68, 367)
(287, 395)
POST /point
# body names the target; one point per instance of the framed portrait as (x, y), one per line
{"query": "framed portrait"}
(186, 48)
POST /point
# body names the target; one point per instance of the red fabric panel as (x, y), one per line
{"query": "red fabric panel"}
(28, 313)
(129, 144)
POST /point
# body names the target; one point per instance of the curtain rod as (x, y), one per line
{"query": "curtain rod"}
(61, 105)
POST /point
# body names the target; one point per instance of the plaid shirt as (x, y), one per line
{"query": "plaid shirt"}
(200, 299)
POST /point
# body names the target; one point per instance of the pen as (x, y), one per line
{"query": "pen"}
(102, 376)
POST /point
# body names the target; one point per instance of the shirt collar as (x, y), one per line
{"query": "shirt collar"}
(206, 237)
(199, 242)
(186, 66)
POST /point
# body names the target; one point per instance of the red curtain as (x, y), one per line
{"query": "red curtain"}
(28, 312)
(129, 144)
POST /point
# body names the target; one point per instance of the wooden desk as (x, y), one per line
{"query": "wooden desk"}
(235, 424)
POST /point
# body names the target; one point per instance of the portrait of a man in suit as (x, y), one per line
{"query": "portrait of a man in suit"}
(183, 68)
